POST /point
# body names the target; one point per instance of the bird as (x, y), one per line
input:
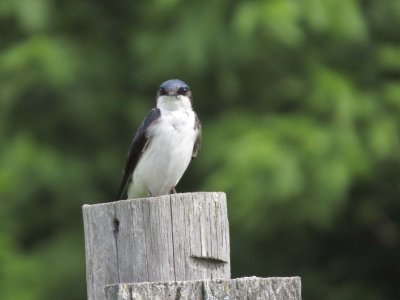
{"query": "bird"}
(165, 143)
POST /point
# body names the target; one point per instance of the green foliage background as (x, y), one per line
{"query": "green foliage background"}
(300, 104)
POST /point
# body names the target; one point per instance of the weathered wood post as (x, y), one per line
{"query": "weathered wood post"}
(169, 247)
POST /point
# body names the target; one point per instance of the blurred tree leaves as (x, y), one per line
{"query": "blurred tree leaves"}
(300, 104)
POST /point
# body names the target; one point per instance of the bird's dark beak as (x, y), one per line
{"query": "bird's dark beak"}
(172, 92)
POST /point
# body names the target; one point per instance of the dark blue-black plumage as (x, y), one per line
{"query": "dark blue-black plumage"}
(138, 143)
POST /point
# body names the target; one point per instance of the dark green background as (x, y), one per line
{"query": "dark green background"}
(300, 105)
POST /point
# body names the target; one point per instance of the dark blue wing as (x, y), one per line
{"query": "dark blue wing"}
(136, 149)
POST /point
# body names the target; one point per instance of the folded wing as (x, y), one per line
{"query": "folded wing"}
(139, 142)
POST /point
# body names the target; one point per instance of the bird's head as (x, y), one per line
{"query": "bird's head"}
(174, 94)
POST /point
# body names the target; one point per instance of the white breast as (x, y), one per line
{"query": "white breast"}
(166, 157)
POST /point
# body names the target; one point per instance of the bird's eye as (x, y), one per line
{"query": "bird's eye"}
(183, 91)
(163, 91)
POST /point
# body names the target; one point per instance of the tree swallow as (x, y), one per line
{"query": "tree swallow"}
(163, 146)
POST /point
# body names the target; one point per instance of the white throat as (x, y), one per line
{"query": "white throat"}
(174, 103)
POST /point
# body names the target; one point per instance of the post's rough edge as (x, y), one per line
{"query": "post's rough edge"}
(287, 288)
(169, 196)
(217, 280)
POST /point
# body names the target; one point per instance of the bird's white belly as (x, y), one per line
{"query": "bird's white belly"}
(166, 157)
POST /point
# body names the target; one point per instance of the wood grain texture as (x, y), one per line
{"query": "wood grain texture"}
(279, 288)
(167, 238)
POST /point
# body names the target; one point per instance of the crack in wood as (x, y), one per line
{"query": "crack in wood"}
(115, 224)
(207, 262)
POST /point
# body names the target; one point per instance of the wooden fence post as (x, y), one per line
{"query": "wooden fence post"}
(168, 247)
(167, 238)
